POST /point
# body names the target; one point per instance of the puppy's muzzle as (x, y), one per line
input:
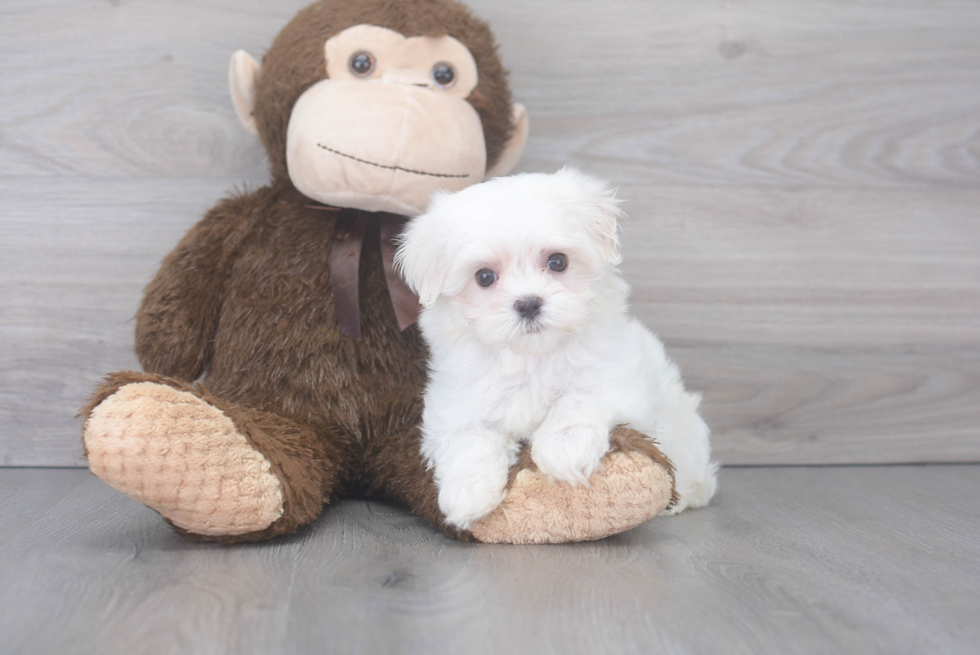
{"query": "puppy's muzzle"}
(528, 307)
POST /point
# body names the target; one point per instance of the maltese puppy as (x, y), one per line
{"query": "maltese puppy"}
(531, 341)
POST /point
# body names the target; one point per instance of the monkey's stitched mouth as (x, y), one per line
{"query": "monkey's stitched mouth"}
(390, 168)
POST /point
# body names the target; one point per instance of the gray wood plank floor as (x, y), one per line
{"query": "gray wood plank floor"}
(788, 560)
(803, 180)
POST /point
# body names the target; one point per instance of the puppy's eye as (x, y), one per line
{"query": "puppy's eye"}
(361, 64)
(557, 262)
(485, 277)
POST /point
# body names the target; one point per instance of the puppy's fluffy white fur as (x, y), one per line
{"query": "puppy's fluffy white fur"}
(560, 380)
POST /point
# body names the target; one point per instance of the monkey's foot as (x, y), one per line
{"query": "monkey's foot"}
(184, 458)
(634, 483)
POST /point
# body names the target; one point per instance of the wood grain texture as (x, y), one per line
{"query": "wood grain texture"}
(787, 560)
(803, 183)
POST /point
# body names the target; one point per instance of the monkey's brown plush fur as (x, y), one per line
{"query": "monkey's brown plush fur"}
(246, 300)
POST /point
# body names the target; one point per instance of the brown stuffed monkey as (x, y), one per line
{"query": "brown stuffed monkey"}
(284, 301)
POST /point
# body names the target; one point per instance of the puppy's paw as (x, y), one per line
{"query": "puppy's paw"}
(464, 500)
(569, 454)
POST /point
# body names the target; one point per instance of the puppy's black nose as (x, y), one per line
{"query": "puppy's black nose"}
(528, 307)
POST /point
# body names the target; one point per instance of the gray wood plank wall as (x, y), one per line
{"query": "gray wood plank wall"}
(803, 181)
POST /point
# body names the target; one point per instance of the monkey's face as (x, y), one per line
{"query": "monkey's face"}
(390, 125)
(369, 118)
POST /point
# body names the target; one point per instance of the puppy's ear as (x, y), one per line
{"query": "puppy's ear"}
(420, 258)
(597, 204)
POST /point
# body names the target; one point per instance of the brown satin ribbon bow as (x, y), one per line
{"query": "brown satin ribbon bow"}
(345, 261)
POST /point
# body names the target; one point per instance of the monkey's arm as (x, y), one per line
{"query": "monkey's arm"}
(177, 320)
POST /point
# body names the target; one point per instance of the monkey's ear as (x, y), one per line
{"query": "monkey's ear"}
(515, 145)
(242, 74)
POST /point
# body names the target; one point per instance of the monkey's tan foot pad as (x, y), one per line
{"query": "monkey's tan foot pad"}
(629, 489)
(184, 458)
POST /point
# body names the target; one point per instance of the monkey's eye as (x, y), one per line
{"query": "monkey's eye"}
(361, 64)
(485, 277)
(557, 262)
(444, 75)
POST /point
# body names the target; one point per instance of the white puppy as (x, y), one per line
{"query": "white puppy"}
(531, 341)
